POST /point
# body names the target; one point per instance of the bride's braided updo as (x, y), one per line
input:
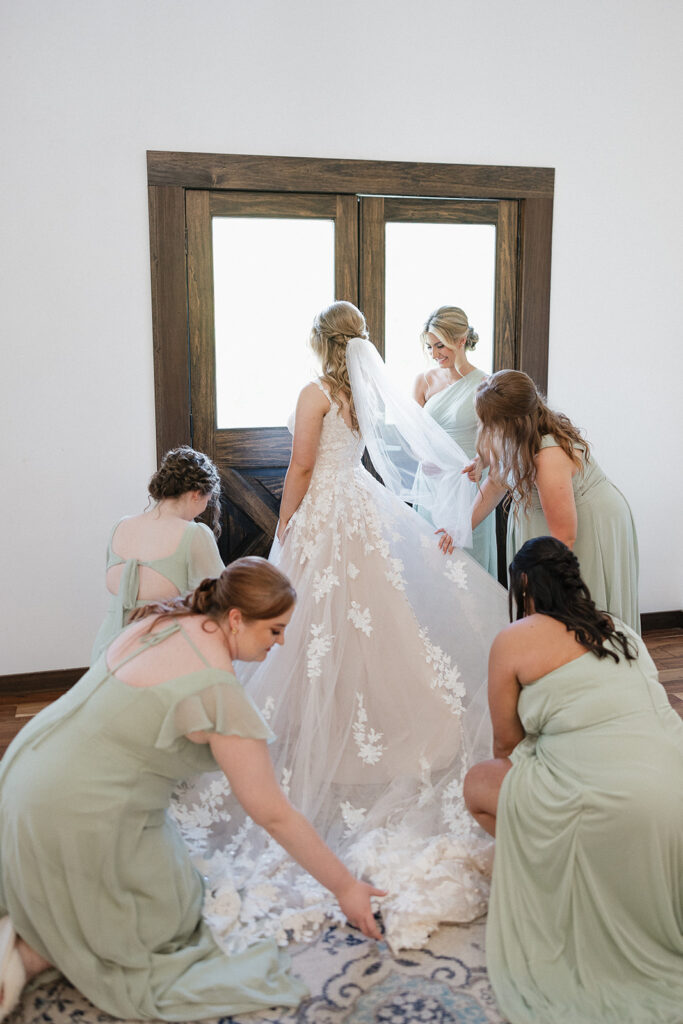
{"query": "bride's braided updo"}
(252, 585)
(182, 470)
(546, 572)
(332, 329)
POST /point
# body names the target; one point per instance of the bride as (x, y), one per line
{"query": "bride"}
(378, 697)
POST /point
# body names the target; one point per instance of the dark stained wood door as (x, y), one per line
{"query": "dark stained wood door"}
(187, 190)
(252, 460)
(377, 211)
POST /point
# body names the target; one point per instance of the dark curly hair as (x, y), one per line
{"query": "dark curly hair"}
(252, 584)
(545, 570)
(183, 469)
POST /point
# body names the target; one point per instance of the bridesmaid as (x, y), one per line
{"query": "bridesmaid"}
(447, 393)
(163, 552)
(94, 876)
(557, 488)
(585, 920)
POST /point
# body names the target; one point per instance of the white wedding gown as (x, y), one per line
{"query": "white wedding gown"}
(378, 703)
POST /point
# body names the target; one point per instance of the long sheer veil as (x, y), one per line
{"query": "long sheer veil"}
(414, 456)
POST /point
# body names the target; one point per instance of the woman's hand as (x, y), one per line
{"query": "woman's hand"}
(249, 771)
(354, 900)
(474, 469)
(446, 543)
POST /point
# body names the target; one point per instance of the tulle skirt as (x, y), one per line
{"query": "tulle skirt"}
(378, 701)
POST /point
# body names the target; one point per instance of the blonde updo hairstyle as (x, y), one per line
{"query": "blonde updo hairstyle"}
(332, 329)
(182, 470)
(450, 325)
(252, 585)
(513, 418)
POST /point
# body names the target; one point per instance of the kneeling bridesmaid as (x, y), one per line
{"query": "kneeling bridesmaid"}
(94, 875)
(584, 797)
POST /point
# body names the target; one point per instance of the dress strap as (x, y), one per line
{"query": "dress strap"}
(323, 389)
(150, 640)
(112, 557)
(126, 596)
(145, 642)
(194, 646)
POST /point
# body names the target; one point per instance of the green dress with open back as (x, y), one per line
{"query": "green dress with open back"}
(195, 558)
(94, 874)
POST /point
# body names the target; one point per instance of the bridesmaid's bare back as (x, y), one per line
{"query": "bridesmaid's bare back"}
(147, 537)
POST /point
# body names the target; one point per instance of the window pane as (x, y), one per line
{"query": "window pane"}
(432, 265)
(271, 276)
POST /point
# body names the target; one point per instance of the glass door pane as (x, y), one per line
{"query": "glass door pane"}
(430, 265)
(270, 276)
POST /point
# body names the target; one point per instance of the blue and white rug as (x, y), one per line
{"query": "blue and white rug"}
(352, 981)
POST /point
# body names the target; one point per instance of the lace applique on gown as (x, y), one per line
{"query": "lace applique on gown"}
(378, 702)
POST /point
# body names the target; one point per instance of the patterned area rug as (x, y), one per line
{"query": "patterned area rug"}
(352, 981)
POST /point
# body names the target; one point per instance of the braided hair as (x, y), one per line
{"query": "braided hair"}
(332, 329)
(547, 572)
(252, 585)
(183, 469)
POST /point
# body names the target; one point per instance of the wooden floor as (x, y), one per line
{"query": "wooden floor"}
(665, 646)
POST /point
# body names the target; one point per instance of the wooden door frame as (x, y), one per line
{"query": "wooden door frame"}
(170, 175)
(239, 446)
(377, 211)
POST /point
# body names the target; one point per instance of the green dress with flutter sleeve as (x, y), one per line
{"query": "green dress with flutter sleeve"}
(94, 873)
(453, 410)
(195, 558)
(606, 542)
(585, 921)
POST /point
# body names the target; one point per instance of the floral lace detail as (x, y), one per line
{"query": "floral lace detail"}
(442, 878)
(336, 496)
(456, 571)
(268, 708)
(447, 677)
(361, 619)
(453, 810)
(197, 822)
(395, 574)
(352, 571)
(427, 792)
(323, 583)
(264, 896)
(370, 749)
(319, 645)
(353, 817)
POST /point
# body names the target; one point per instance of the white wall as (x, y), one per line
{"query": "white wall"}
(590, 88)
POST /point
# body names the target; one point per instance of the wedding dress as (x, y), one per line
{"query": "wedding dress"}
(378, 703)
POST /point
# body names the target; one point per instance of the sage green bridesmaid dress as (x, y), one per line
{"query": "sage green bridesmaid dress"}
(453, 409)
(195, 558)
(95, 875)
(606, 542)
(585, 921)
